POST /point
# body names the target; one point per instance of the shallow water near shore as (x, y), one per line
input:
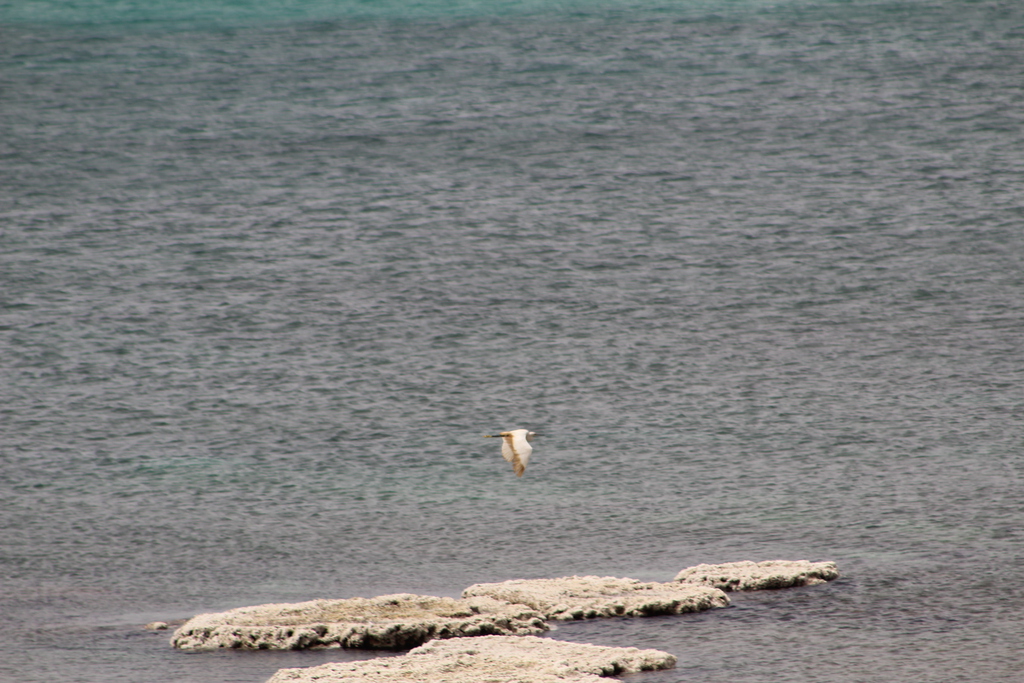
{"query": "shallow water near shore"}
(755, 271)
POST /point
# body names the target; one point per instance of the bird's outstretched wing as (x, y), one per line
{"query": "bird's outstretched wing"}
(516, 449)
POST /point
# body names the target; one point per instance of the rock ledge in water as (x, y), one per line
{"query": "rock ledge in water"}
(587, 597)
(752, 576)
(525, 659)
(388, 622)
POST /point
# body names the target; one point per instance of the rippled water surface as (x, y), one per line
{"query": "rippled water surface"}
(755, 271)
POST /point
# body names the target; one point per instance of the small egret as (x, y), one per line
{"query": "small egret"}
(516, 448)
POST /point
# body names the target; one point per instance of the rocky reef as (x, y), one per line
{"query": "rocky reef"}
(588, 597)
(488, 634)
(490, 658)
(389, 622)
(752, 576)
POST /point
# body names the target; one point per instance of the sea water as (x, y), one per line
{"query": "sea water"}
(754, 270)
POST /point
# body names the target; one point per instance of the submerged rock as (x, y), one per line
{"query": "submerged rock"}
(525, 659)
(752, 576)
(389, 622)
(588, 597)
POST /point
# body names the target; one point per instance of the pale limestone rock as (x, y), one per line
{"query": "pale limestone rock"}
(587, 597)
(156, 626)
(751, 576)
(489, 659)
(391, 622)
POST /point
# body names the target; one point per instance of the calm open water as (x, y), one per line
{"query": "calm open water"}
(755, 270)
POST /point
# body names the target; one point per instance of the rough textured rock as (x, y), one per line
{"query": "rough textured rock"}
(389, 622)
(587, 597)
(752, 576)
(500, 659)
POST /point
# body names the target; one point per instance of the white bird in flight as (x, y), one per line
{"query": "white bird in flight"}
(516, 448)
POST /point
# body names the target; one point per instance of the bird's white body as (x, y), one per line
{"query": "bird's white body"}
(516, 448)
